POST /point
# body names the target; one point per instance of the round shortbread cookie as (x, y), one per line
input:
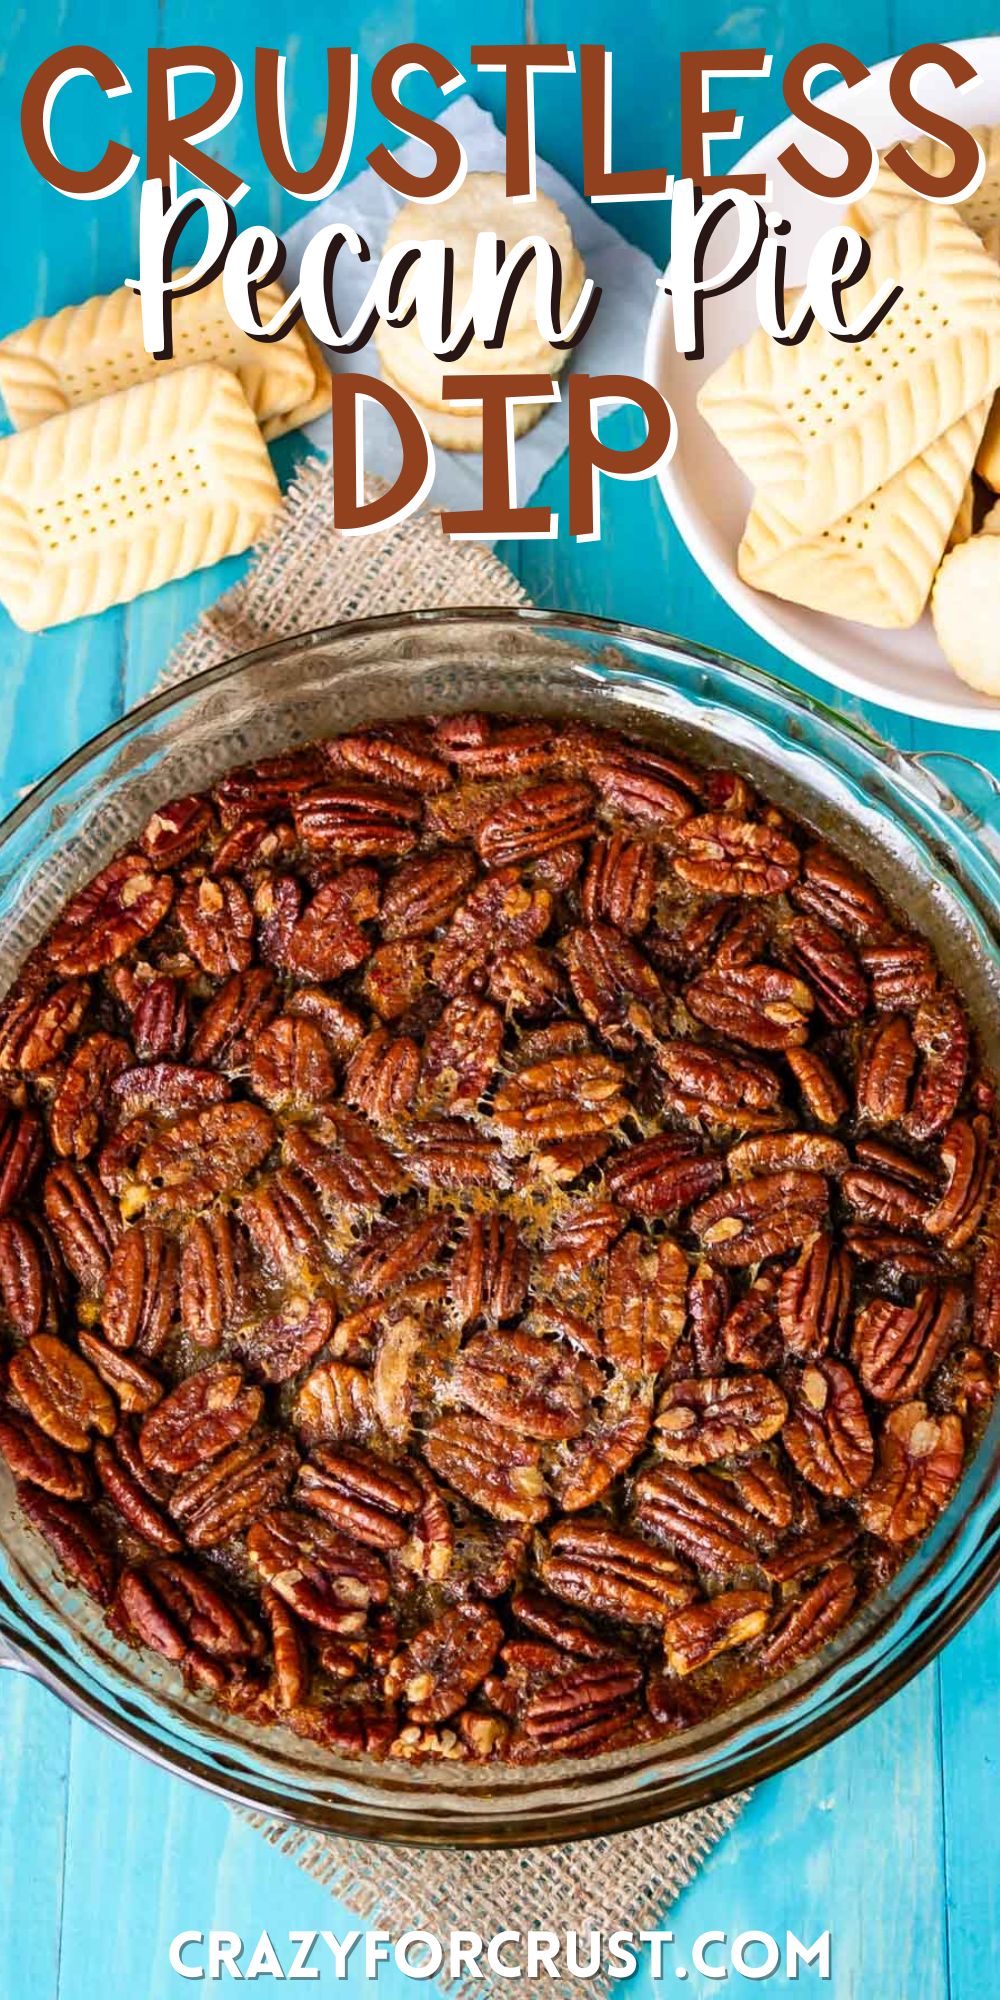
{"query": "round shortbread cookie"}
(402, 354)
(458, 429)
(481, 204)
(964, 606)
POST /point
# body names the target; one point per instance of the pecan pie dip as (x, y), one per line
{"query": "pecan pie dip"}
(496, 1242)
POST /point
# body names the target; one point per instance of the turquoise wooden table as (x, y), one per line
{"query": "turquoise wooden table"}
(890, 1837)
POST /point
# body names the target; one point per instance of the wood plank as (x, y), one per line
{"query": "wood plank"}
(849, 1841)
(34, 1769)
(970, 1766)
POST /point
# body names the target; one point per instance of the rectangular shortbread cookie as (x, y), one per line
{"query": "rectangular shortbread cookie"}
(888, 194)
(819, 426)
(129, 492)
(96, 348)
(877, 563)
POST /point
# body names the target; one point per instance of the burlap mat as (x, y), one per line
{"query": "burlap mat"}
(303, 576)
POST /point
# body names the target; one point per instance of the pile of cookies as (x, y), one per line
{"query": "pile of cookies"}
(480, 205)
(873, 462)
(126, 472)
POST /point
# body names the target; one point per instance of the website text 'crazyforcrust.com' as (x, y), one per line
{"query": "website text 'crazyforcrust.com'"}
(509, 1954)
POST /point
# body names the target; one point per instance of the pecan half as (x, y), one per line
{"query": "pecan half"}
(571, 1097)
(205, 1153)
(214, 1502)
(213, 1276)
(901, 972)
(63, 1395)
(699, 1633)
(885, 1073)
(423, 894)
(335, 1401)
(663, 1174)
(719, 1088)
(126, 902)
(968, 1164)
(137, 1388)
(809, 1623)
(201, 1418)
(442, 1665)
(580, 1472)
(760, 1005)
(364, 1495)
(831, 889)
(26, 1279)
(814, 1297)
(760, 1218)
(822, 1092)
(696, 1513)
(534, 822)
(161, 1021)
(228, 1028)
(619, 884)
(645, 1303)
(489, 1465)
(534, 1385)
(827, 1434)
(611, 980)
(84, 1222)
(489, 1271)
(324, 1577)
(141, 1290)
(725, 855)
(74, 1540)
(35, 1456)
(941, 1033)
(725, 1416)
(80, 1101)
(604, 1570)
(896, 1348)
(831, 967)
(360, 820)
(276, 1348)
(917, 1470)
(216, 923)
(584, 1709)
(778, 1152)
(291, 1067)
(134, 1492)
(460, 1055)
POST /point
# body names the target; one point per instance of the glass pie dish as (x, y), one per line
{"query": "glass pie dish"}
(932, 856)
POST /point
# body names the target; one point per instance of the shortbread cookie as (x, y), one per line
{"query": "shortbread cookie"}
(965, 606)
(821, 425)
(888, 194)
(95, 349)
(313, 405)
(964, 523)
(129, 492)
(877, 563)
(478, 206)
(458, 427)
(420, 373)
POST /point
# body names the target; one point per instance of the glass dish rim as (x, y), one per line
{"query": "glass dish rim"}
(800, 1734)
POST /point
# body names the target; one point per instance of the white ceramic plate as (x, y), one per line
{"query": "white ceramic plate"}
(709, 499)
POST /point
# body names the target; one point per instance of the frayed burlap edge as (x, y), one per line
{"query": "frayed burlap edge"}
(305, 575)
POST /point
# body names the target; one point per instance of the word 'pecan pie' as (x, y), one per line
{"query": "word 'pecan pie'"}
(498, 1247)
